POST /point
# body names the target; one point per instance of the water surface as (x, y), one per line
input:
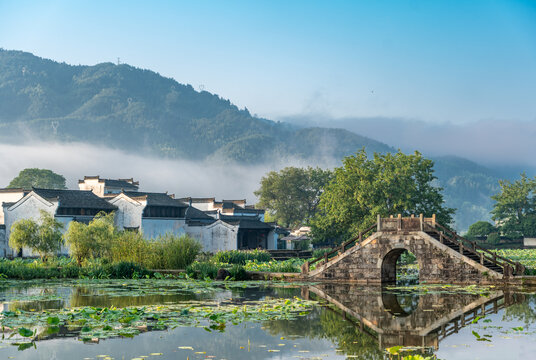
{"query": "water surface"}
(347, 321)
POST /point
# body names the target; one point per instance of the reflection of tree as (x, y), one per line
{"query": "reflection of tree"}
(348, 337)
(524, 311)
(329, 324)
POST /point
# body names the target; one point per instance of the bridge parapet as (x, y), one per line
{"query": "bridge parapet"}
(400, 223)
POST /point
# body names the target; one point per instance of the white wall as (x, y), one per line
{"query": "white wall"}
(215, 237)
(27, 208)
(129, 212)
(8, 197)
(93, 185)
(153, 227)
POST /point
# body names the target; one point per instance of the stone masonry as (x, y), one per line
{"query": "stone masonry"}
(374, 261)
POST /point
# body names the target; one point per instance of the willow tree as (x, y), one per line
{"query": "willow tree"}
(386, 184)
(43, 236)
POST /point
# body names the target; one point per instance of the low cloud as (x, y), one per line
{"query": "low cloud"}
(180, 177)
(503, 144)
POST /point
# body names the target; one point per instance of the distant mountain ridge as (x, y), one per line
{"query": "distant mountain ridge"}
(138, 110)
(130, 108)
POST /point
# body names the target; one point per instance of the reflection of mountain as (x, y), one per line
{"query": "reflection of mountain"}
(422, 321)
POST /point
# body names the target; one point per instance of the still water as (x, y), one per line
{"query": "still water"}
(338, 321)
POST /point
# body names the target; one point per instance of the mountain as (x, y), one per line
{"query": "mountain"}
(467, 187)
(141, 111)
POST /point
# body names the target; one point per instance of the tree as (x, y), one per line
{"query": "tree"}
(387, 184)
(480, 229)
(44, 238)
(93, 240)
(291, 195)
(39, 178)
(515, 207)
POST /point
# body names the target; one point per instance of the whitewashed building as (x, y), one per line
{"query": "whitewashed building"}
(64, 205)
(223, 225)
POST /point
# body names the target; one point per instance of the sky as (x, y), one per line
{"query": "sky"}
(453, 61)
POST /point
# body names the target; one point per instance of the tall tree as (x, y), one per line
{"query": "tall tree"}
(291, 195)
(39, 178)
(515, 207)
(387, 184)
(43, 237)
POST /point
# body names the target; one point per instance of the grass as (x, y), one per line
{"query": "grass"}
(65, 268)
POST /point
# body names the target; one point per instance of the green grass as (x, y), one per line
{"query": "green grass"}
(65, 268)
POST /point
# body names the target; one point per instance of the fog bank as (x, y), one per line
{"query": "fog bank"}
(180, 177)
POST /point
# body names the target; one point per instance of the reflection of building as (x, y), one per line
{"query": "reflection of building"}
(411, 320)
(217, 225)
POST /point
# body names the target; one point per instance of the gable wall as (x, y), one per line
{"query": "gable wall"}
(29, 209)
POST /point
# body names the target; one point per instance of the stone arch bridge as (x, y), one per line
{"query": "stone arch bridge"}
(442, 255)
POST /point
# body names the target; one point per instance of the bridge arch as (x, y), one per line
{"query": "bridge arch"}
(389, 265)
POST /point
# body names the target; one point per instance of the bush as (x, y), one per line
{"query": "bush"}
(128, 246)
(27, 269)
(241, 256)
(173, 252)
(203, 270)
(320, 252)
(238, 272)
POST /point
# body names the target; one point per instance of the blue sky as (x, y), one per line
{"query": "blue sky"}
(437, 61)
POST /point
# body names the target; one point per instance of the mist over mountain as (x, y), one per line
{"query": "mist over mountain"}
(134, 114)
(139, 110)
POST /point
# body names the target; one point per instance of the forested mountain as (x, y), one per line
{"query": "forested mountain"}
(130, 108)
(467, 187)
(138, 110)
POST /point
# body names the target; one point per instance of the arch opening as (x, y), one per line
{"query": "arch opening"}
(400, 267)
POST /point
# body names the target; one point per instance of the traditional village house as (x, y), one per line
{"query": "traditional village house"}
(7, 196)
(107, 187)
(64, 205)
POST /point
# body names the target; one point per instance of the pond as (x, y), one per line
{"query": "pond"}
(183, 319)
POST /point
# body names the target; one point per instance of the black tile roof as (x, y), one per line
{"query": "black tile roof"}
(156, 199)
(246, 222)
(193, 213)
(79, 199)
(122, 184)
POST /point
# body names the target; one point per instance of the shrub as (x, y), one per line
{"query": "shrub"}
(128, 246)
(238, 272)
(173, 252)
(241, 256)
(203, 270)
(321, 252)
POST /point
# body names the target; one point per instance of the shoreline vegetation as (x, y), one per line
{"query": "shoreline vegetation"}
(224, 265)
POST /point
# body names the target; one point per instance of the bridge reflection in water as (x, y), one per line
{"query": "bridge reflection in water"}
(410, 320)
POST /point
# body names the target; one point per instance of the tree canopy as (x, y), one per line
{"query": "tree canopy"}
(480, 228)
(43, 237)
(386, 184)
(515, 207)
(39, 178)
(291, 195)
(93, 240)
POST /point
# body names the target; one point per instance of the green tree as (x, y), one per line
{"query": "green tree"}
(387, 184)
(479, 229)
(43, 237)
(291, 195)
(93, 240)
(39, 178)
(515, 207)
